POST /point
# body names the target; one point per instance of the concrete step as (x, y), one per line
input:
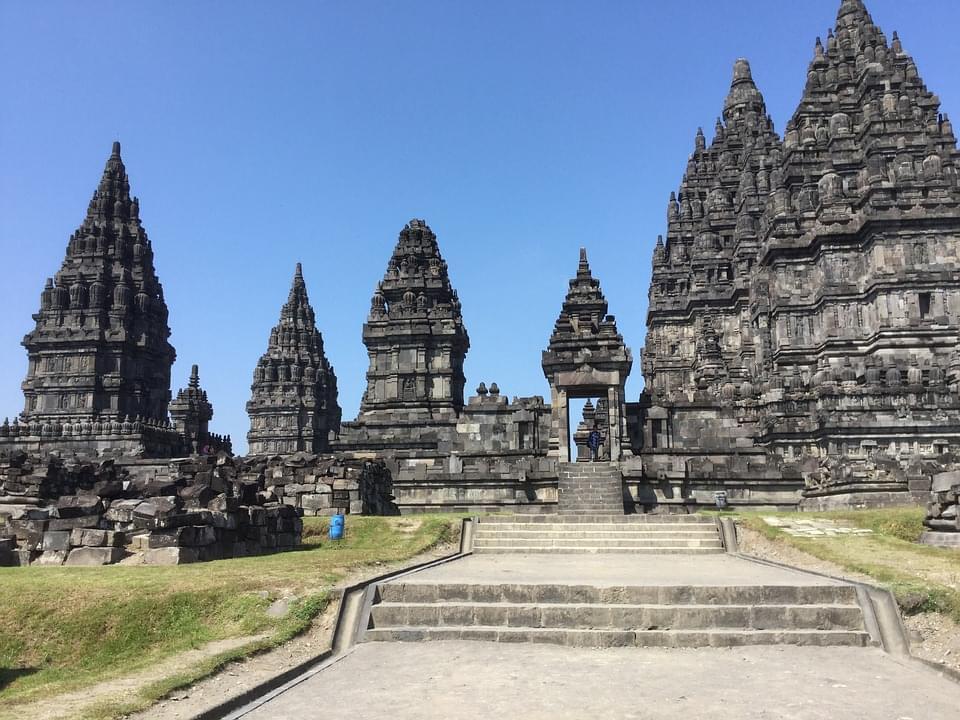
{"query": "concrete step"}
(718, 637)
(498, 543)
(619, 617)
(538, 593)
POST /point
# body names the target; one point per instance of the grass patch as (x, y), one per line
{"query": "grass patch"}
(922, 578)
(67, 628)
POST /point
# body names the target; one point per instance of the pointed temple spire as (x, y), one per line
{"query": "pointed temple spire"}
(191, 412)
(583, 269)
(711, 240)
(744, 96)
(115, 360)
(415, 335)
(293, 405)
(583, 320)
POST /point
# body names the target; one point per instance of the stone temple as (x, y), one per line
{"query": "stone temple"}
(98, 378)
(801, 346)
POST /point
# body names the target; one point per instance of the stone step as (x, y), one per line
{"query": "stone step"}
(498, 543)
(619, 617)
(536, 593)
(574, 531)
(590, 487)
(717, 637)
(593, 549)
(580, 509)
(574, 527)
(595, 518)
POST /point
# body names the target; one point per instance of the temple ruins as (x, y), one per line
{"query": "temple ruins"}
(801, 347)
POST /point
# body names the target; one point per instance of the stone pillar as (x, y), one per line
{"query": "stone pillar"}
(559, 445)
(614, 421)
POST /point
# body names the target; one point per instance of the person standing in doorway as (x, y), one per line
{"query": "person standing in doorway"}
(593, 442)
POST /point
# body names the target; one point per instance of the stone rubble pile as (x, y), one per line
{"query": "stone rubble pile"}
(323, 484)
(78, 512)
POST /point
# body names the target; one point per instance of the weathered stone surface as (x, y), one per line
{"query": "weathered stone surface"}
(56, 541)
(170, 556)
(74, 506)
(85, 556)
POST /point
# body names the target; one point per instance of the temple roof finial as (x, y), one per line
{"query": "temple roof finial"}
(741, 70)
(116, 148)
(194, 376)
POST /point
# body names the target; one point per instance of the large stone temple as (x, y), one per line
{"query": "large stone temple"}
(801, 347)
(804, 308)
(98, 377)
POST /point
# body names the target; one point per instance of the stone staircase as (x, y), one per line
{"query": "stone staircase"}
(564, 534)
(590, 488)
(645, 616)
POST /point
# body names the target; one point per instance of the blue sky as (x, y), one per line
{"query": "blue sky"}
(262, 134)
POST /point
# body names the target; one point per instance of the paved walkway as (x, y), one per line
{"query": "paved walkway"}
(471, 679)
(452, 680)
(612, 570)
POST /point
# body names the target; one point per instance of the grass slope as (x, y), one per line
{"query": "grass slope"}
(67, 628)
(923, 578)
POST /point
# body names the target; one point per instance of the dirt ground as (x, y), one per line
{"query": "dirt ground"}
(933, 636)
(73, 704)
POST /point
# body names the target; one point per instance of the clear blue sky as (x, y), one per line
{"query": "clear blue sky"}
(261, 134)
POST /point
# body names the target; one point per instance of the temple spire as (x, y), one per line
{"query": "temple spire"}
(583, 268)
(744, 96)
(293, 404)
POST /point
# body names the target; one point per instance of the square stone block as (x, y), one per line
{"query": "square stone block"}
(87, 556)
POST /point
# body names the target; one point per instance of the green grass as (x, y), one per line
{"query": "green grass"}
(67, 628)
(923, 578)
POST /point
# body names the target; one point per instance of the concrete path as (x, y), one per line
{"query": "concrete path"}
(611, 570)
(458, 679)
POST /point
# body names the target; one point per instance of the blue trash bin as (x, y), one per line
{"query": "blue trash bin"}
(336, 527)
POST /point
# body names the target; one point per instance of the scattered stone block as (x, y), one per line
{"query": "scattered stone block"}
(89, 556)
(56, 541)
(170, 556)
